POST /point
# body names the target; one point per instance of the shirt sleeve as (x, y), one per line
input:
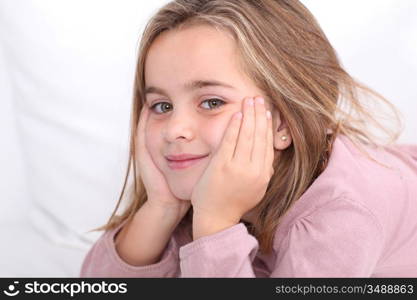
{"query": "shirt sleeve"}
(103, 260)
(340, 239)
(227, 253)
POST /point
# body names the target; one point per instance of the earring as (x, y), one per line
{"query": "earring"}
(284, 138)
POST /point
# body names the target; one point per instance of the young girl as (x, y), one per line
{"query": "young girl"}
(222, 189)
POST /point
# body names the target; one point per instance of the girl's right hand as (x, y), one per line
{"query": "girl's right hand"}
(154, 181)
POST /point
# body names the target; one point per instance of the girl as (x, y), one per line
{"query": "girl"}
(293, 184)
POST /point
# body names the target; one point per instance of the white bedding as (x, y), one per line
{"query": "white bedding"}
(66, 75)
(26, 252)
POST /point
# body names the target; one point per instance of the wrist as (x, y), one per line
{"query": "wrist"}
(204, 225)
(166, 213)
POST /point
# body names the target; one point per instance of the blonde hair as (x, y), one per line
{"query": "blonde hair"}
(284, 51)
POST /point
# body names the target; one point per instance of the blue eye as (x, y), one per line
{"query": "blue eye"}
(218, 103)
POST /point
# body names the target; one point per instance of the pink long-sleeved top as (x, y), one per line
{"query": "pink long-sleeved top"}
(357, 219)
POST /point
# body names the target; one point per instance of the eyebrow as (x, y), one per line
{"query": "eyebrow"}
(192, 85)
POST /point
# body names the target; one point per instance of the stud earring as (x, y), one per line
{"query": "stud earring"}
(284, 138)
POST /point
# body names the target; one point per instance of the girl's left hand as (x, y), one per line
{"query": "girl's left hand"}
(238, 174)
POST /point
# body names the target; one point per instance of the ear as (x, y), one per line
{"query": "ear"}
(281, 131)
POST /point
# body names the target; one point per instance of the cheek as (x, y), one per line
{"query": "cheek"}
(214, 132)
(152, 138)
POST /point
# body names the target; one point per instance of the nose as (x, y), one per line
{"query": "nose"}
(180, 125)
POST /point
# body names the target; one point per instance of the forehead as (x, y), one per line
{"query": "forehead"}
(199, 51)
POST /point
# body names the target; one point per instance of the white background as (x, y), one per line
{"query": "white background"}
(66, 74)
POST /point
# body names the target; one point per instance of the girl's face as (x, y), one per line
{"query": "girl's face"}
(191, 118)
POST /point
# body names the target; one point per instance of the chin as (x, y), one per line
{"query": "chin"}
(182, 185)
(182, 194)
(181, 191)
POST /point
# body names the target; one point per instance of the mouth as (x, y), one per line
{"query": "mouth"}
(184, 163)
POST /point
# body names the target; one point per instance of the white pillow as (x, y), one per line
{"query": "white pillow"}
(13, 203)
(71, 68)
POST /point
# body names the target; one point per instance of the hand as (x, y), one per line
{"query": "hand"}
(238, 174)
(154, 181)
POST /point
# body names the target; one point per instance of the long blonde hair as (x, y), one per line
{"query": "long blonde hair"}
(284, 51)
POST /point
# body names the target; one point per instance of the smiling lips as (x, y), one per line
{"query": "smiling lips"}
(183, 161)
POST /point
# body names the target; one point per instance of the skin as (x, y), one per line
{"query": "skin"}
(184, 122)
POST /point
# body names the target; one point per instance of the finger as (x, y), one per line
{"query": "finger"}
(244, 144)
(228, 143)
(260, 138)
(269, 156)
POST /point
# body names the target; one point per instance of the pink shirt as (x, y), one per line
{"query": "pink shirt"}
(357, 219)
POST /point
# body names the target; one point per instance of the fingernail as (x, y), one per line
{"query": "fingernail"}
(238, 115)
(250, 101)
(268, 114)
